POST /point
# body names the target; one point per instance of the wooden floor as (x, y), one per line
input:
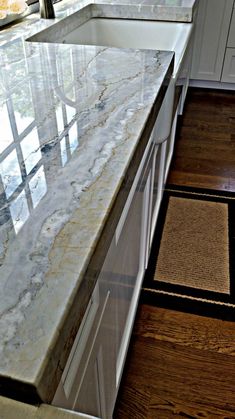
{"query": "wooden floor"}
(181, 365)
(205, 148)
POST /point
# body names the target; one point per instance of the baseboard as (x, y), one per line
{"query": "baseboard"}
(212, 84)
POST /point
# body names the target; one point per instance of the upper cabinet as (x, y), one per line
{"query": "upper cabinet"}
(212, 31)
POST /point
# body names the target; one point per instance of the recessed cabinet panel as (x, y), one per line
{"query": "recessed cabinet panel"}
(93, 393)
(231, 38)
(158, 180)
(229, 66)
(210, 39)
(88, 381)
(128, 260)
(89, 400)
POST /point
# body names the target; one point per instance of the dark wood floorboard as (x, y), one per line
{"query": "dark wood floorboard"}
(204, 154)
(181, 365)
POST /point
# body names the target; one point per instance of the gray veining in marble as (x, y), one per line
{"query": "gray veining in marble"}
(72, 118)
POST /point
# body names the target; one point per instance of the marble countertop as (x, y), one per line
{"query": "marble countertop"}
(71, 119)
(11, 409)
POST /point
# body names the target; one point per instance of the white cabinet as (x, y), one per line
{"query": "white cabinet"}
(231, 37)
(88, 381)
(158, 183)
(228, 74)
(96, 385)
(125, 262)
(211, 35)
(129, 252)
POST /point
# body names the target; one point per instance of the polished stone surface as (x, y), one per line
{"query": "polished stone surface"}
(72, 117)
(71, 120)
(11, 409)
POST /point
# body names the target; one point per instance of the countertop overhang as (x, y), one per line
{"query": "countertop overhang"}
(75, 117)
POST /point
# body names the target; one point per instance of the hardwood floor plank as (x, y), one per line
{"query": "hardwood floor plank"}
(130, 405)
(160, 408)
(205, 141)
(207, 167)
(201, 181)
(188, 330)
(173, 371)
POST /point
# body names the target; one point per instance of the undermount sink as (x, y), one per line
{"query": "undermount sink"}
(101, 25)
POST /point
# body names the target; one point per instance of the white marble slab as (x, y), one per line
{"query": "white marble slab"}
(11, 409)
(72, 117)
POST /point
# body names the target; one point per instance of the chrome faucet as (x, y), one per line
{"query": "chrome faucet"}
(46, 9)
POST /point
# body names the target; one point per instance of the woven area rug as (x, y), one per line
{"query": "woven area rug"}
(192, 262)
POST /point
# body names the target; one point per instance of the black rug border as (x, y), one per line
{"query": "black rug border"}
(183, 303)
(203, 191)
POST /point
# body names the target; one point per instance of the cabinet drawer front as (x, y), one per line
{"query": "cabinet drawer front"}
(229, 66)
(90, 385)
(231, 38)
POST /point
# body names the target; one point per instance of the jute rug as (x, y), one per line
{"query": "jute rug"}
(192, 262)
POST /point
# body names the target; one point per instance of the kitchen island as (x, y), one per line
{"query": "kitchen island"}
(77, 121)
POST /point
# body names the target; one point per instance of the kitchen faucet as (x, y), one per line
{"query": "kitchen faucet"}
(46, 9)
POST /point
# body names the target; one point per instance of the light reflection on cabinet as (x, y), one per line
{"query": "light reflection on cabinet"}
(85, 384)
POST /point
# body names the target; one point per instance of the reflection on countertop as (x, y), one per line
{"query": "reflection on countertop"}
(24, 154)
(72, 120)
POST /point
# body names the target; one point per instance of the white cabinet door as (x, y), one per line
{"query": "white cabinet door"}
(88, 382)
(124, 265)
(158, 184)
(231, 38)
(127, 258)
(228, 74)
(89, 398)
(93, 394)
(229, 66)
(211, 35)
